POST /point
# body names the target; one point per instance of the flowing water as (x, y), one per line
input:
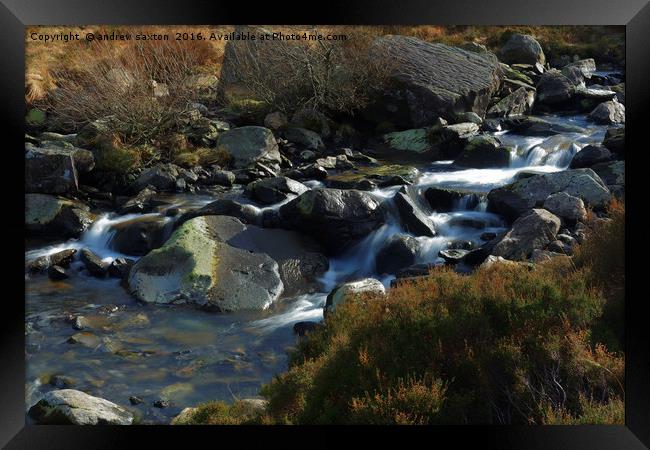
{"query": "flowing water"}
(190, 356)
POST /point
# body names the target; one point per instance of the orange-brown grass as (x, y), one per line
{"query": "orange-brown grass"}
(504, 345)
(43, 59)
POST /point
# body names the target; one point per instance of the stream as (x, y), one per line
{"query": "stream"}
(189, 356)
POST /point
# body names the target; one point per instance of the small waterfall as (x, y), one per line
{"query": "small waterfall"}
(96, 238)
(471, 202)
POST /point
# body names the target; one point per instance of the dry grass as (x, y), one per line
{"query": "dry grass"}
(42, 60)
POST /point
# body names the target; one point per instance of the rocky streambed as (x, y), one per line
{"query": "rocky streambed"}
(193, 286)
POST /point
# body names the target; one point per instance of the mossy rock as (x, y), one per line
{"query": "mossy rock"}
(196, 266)
(415, 140)
(382, 172)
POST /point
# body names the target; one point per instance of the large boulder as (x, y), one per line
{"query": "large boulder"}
(273, 190)
(483, 151)
(72, 407)
(397, 253)
(608, 113)
(50, 171)
(50, 216)
(514, 199)
(566, 207)
(522, 48)
(335, 217)
(554, 88)
(534, 230)
(432, 80)
(517, 103)
(196, 266)
(299, 257)
(413, 219)
(352, 290)
(249, 145)
(590, 155)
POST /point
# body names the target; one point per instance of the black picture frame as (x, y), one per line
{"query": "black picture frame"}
(15, 15)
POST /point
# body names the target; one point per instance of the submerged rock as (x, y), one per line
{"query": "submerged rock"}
(72, 407)
(351, 290)
(197, 266)
(57, 273)
(534, 230)
(333, 216)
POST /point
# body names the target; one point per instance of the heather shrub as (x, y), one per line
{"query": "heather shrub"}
(506, 345)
